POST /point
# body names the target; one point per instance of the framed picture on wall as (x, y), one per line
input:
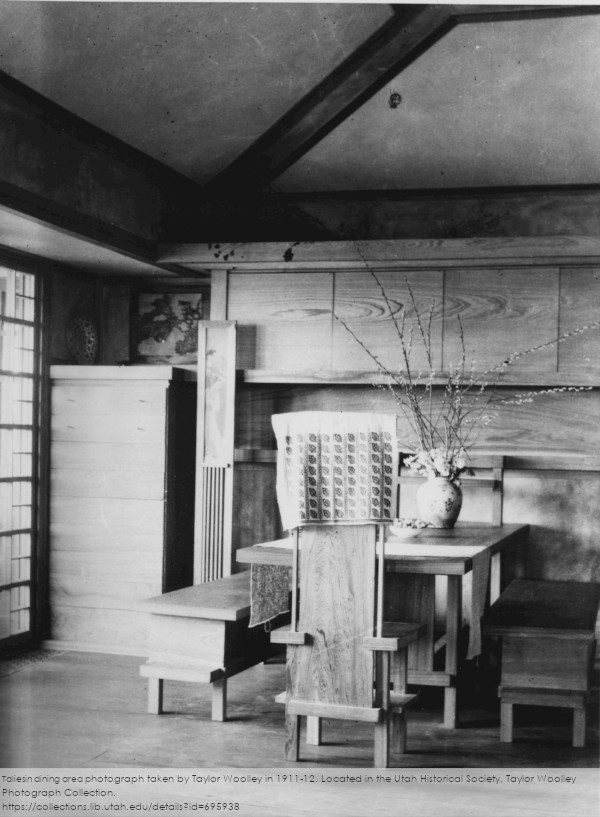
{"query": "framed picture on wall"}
(164, 325)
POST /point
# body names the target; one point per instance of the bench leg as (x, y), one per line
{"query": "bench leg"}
(292, 737)
(398, 737)
(219, 700)
(506, 723)
(579, 727)
(313, 730)
(155, 696)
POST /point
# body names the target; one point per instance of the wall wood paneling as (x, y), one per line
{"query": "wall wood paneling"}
(555, 438)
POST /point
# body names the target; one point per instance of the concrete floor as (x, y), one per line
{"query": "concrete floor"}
(89, 710)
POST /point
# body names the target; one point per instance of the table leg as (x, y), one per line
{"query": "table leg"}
(453, 620)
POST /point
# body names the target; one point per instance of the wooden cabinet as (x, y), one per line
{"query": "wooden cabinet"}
(122, 482)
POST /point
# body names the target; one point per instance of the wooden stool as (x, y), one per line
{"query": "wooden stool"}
(548, 641)
(201, 634)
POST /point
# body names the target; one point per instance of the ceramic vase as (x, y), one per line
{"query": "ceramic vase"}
(439, 502)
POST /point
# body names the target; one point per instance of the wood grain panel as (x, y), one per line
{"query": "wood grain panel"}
(579, 306)
(255, 405)
(564, 423)
(284, 320)
(105, 428)
(145, 456)
(411, 598)
(67, 538)
(107, 565)
(139, 399)
(110, 515)
(203, 639)
(109, 628)
(545, 662)
(255, 514)
(501, 311)
(337, 592)
(564, 513)
(107, 483)
(109, 594)
(360, 303)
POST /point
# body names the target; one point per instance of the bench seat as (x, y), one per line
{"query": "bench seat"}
(548, 643)
(200, 634)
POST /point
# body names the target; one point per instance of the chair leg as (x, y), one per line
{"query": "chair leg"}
(579, 727)
(382, 744)
(506, 722)
(398, 737)
(292, 737)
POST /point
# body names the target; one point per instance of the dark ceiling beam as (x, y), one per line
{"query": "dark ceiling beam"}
(411, 32)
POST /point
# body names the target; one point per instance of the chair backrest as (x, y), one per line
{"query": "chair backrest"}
(337, 609)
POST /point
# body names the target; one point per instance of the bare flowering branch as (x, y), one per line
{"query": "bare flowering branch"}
(469, 402)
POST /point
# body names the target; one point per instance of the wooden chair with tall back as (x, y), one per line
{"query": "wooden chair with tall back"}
(343, 661)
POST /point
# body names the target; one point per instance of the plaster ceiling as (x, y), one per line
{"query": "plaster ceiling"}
(190, 84)
(495, 104)
(195, 84)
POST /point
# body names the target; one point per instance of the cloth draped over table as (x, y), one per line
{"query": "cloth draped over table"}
(332, 468)
(480, 575)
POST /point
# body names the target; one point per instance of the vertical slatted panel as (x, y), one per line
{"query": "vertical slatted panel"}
(214, 489)
(213, 522)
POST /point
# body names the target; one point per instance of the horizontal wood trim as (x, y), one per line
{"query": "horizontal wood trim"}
(536, 696)
(537, 633)
(182, 672)
(125, 373)
(386, 254)
(434, 679)
(93, 543)
(110, 593)
(531, 379)
(112, 516)
(86, 560)
(286, 636)
(349, 713)
(225, 599)
(108, 648)
(103, 428)
(136, 398)
(539, 464)
(396, 635)
(129, 457)
(107, 483)
(110, 628)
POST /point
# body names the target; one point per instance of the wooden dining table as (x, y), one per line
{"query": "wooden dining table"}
(412, 564)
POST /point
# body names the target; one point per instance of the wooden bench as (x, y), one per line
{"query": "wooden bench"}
(548, 641)
(201, 634)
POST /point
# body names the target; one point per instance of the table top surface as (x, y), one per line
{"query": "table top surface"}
(429, 550)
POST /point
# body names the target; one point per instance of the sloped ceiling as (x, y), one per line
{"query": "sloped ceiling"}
(195, 84)
(495, 104)
(190, 84)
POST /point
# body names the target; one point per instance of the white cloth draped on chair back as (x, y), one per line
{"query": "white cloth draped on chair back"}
(335, 467)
